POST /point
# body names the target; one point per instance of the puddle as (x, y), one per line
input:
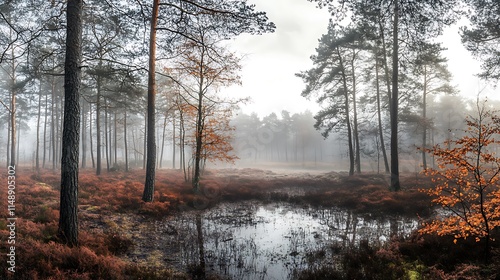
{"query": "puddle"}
(254, 241)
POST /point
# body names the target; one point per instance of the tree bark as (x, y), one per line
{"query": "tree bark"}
(151, 145)
(90, 136)
(13, 140)
(98, 126)
(38, 119)
(68, 219)
(424, 120)
(84, 135)
(45, 131)
(8, 142)
(395, 184)
(379, 117)
(163, 139)
(59, 108)
(106, 138)
(173, 143)
(115, 140)
(145, 142)
(201, 245)
(386, 64)
(355, 116)
(52, 124)
(348, 121)
(125, 138)
(199, 142)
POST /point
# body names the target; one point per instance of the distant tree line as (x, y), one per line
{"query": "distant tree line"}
(291, 140)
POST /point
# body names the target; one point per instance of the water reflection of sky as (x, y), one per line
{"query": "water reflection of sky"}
(245, 241)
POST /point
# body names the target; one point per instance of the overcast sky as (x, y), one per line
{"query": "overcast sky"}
(271, 60)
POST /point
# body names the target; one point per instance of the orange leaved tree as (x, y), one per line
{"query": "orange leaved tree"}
(467, 182)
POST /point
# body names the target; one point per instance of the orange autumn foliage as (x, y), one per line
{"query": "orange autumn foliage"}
(467, 181)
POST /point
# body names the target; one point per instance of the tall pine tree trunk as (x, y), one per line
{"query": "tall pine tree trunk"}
(13, 124)
(68, 218)
(395, 184)
(173, 143)
(106, 138)
(125, 138)
(348, 121)
(38, 119)
(199, 142)
(59, 108)
(98, 127)
(84, 135)
(379, 118)
(385, 62)
(145, 142)
(151, 145)
(355, 116)
(424, 121)
(53, 124)
(163, 139)
(90, 136)
(8, 142)
(17, 141)
(115, 140)
(45, 130)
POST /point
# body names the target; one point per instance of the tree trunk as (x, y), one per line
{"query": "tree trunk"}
(395, 184)
(182, 138)
(386, 64)
(59, 123)
(379, 117)
(201, 249)
(90, 136)
(125, 138)
(98, 127)
(18, 144)
(151, 145)
(199, 141)
(106, 138)
(163, 139)
(45, 130)
(52, 124)
(424, 121)
(8, 142)
(13, 96)
(355, 115)
(115, 134)
(135, 149)
(38, 119)
(145, 143)
(173, 142)
(348, 121)
(84, 135)
(68, 219)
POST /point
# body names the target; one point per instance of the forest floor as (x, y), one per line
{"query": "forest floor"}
(118, 232)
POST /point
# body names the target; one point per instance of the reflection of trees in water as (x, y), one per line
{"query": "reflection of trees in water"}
(231, 238)
(201, 250)
(350, 228)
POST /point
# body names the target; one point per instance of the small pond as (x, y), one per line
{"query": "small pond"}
(272, 241)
